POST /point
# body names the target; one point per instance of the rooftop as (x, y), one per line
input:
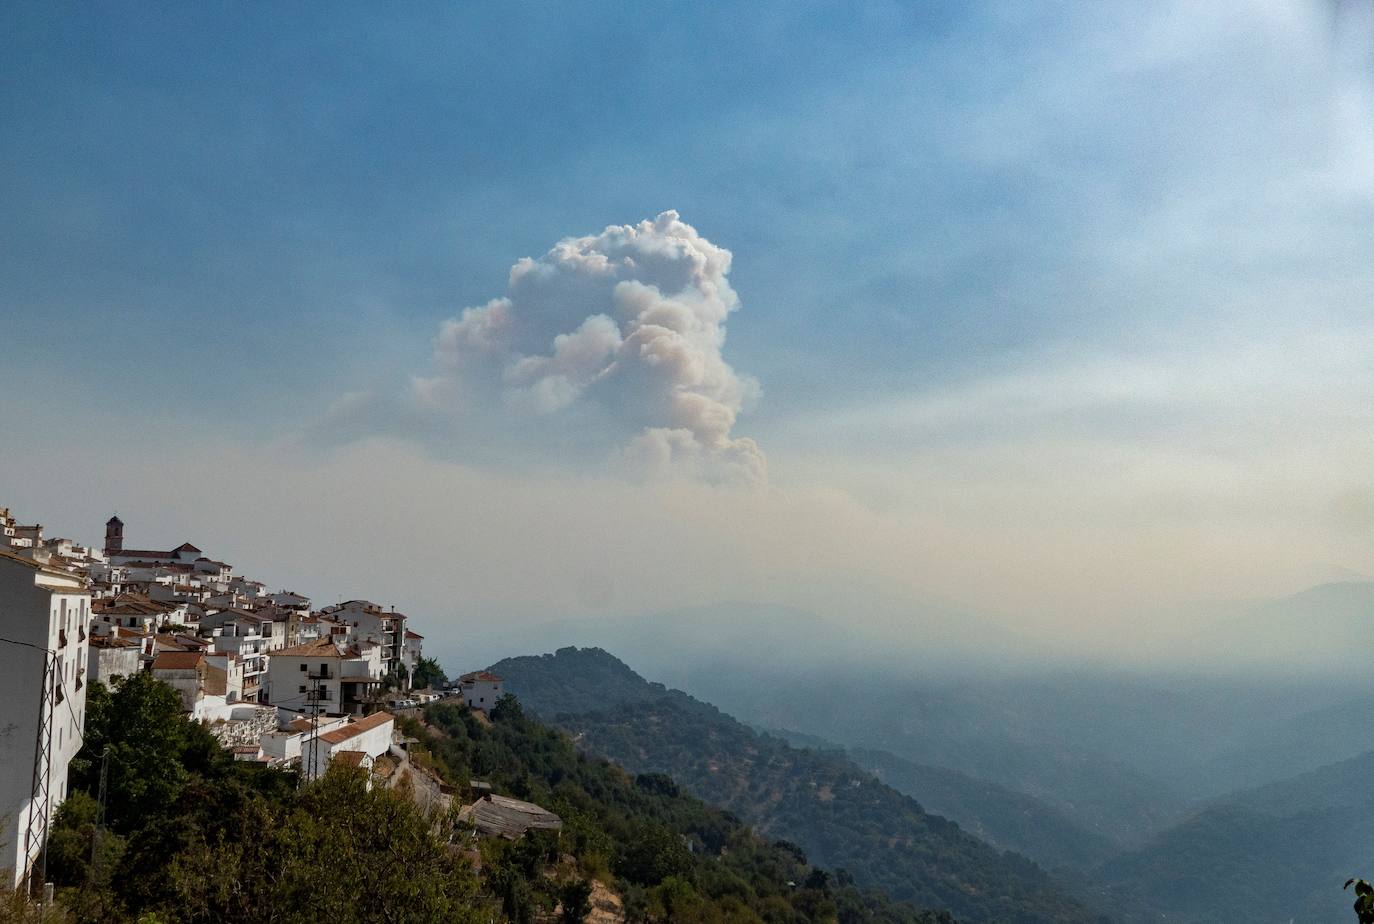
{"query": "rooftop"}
(315, 648)
(500, 816)
(178, 660)
(354, 729)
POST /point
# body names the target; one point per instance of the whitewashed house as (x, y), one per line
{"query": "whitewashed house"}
(109, 656)
(369, 737)
(369, 622)
(185, 672)
(412, 652)
(44, 613)
(481, 689)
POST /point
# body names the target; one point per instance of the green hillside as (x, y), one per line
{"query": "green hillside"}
(836, 811)
(1001, 816)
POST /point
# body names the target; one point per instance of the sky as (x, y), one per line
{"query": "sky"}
(1055, 315)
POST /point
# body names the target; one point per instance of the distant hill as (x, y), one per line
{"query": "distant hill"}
(1071, 742)
(1006, 819)
(838, 813)
(1305, 742)
(1323, 627)
(1003, 817)
(1283, 850)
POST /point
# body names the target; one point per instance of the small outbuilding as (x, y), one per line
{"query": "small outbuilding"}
(501, 816)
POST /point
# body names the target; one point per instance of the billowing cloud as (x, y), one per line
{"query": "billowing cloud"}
(627, 325)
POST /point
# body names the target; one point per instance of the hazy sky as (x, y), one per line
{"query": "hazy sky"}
(1061, 313)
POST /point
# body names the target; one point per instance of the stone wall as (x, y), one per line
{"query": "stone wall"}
(238, 732)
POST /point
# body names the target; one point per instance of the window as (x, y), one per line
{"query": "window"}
(302, 689)
(302, 665)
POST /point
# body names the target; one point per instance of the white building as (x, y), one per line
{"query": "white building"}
(250, 648)
(43, 615)
(368, 622)
(321, 673)
(185, 672)
(369, 736)
(413, 651)
(109, 656)
(224, 675)
(480, 689)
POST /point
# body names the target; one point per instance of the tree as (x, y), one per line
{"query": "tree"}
(428, 674)
(653, 853)
(508, 710)
(148, 736)
(1364, 900)
(575, 900)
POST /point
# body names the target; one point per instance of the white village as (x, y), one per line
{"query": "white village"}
(276, 680)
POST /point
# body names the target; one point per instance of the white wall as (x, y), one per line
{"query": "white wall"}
(285, 679)
(481, 694)
(103, 664)
(32, 613)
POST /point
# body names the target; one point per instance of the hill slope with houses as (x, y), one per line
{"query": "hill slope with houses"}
(205, 750)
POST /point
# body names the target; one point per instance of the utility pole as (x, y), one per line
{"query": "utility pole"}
(100, 809)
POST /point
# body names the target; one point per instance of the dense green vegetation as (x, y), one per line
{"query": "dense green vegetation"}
(670, 856)
(191, 835)
(1003, 817)
(428, 675)
(837, 812)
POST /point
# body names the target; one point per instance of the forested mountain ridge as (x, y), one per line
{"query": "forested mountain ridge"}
(836, 811)
(1001, 816)
(1287, 846)
(1005, 818)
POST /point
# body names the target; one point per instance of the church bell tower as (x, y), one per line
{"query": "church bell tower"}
(114, 535)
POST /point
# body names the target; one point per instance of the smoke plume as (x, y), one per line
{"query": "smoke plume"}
(625, 327)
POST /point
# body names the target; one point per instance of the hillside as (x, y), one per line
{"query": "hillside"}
(1305, 742)
(1286, 847)
(669, 855)
(1003, 817)
(1082, 744)
(834, 810)
(1006, 819)
(194, 836)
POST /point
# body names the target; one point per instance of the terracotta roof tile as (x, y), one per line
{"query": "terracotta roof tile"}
(178, 660)
(354, 729)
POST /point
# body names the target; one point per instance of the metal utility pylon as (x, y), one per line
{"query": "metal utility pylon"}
(36, 832)
(313, 748)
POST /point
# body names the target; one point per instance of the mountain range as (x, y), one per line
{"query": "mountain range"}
(840, 814)
(940, 836)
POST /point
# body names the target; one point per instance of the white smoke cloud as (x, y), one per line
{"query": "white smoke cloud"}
(630, 321)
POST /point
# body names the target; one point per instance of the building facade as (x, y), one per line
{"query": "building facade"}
(44, 613)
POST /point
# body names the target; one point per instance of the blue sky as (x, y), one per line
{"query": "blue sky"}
(287, 175)
(1091, 278)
